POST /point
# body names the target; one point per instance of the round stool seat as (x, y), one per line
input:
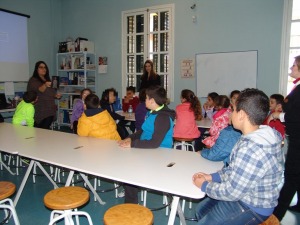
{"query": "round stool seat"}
(65, 198)
(272, 220)
(6, 189)
(128, 214)
(183, 139)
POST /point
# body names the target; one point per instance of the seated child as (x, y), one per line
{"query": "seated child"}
(24, 114)
(78, 109)
(157, 130)
(276, 101)
(222, 148)
(186, 115)
(209, 106)
(96, 122)
(108, 98)
(130, 99)
(208, 110)
(248, 188)
(233, 97)
(220, 119)
(141, 110)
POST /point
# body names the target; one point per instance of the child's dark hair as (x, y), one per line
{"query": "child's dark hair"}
(255, 103)
(234, 92)
(92, 101)
(105, 94)
(142, 95)
(222, 101)
(85, 89)
(130, 88)
(213, 95)
(29, 96)
(190, 97)
(158, 93)
(278, 98)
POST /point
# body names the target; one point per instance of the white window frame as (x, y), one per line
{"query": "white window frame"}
(146, 11)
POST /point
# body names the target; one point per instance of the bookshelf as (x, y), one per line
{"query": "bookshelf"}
(75, 71)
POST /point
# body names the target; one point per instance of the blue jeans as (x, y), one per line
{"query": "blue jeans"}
(214, 212)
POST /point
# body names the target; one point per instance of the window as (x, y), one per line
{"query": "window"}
(291, 42)
(148, 34)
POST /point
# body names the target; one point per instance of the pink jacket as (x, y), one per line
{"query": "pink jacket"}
(220, 121)
(185, 126)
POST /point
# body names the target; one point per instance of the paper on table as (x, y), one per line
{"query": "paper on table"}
(9, 88)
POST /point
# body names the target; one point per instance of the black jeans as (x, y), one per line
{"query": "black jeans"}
(45, 123)
(291, 177)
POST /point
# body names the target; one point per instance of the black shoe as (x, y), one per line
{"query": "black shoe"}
(294, 208)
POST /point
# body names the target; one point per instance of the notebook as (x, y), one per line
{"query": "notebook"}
(3, 102)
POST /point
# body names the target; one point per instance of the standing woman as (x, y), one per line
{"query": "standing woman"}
(149, 77)
(290, 115)
(45, 108)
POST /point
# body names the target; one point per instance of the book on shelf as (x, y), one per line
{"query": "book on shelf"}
(64, 80)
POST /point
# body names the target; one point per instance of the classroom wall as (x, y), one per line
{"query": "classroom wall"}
(222, 26)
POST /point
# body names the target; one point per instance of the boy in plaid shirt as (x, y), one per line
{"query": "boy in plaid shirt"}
(246, 191)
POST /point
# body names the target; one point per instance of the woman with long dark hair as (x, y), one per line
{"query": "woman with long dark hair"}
(149, 77)
(45, 108)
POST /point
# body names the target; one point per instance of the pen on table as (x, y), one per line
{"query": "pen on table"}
(78, 147)
(29, 137)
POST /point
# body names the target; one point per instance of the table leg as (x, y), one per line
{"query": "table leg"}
(84, 177)
(6, 167)
(69, 179)
(175, 207)
(23, 182)
(46, 174)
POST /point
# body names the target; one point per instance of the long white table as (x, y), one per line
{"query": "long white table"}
(104, 158)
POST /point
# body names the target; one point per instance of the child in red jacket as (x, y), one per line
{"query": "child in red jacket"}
(276, 101)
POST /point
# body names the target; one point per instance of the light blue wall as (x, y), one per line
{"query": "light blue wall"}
(222, 25)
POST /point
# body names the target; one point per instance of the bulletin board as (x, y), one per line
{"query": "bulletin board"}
(224, 72)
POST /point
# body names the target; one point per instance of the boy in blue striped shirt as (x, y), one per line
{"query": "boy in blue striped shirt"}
(248, 189)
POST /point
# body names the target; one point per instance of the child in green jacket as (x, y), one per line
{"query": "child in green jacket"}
(24, 114)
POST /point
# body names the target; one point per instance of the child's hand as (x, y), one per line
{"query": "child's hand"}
(273, 116)
(126, 143)
(199, 178)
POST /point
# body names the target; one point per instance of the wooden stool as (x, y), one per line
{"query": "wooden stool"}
(184, 142)
(63, 200)
(272, 220)
(128, 214)
(6, 190)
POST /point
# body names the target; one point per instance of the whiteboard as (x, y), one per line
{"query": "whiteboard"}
(224, 72)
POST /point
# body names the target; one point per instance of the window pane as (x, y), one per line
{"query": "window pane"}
(130, 24)
(140, 23)
(154, 58)
(130, 44)
(139, 63)
(296, 10)
(139, 43)
(130, 64)
(130, 80)
(153, 22)
(295, 34)
(164, 42)
(164, 63)
(164, 21)
(153, 42)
